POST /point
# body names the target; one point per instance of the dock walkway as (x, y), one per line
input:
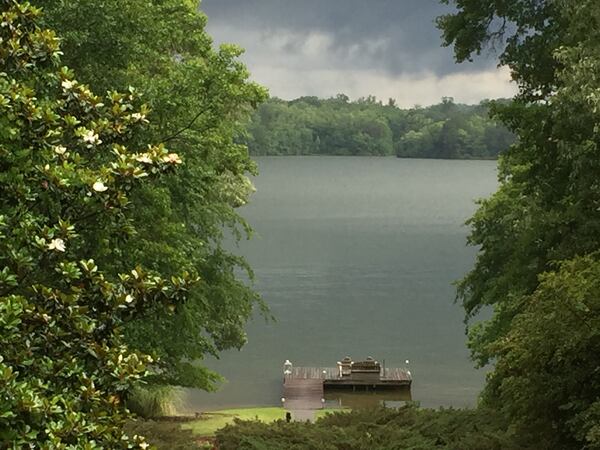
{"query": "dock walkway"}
(304, 387)
(303, 393)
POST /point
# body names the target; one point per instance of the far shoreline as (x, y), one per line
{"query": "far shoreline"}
(378, 156)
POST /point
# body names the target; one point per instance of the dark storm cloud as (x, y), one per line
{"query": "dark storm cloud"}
(402, 33)
(312, 47)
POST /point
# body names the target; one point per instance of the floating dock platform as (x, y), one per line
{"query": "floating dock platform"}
(304, 387)
(330, 379)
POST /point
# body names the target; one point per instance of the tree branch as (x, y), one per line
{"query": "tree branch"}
(187, 127)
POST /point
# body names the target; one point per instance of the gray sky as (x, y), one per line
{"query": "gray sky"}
(387, 48)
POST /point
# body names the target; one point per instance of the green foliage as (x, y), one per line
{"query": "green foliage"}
(200, 98)
(540, 233)
(153, 401)
(67, 166)
(547, 378)
(310, 126)
(528, 32)
(404, 428)
(212, 421)
(166, 435)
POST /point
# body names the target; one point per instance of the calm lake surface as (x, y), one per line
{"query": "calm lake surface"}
(357, 256)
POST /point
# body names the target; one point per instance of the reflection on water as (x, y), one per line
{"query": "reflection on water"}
(370, 399)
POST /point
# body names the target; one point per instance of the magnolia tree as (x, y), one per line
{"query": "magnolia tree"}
(201, 96)
(68, 160)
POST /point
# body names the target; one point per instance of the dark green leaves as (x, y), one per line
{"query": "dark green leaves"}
(199, 98)
(66, 170)
(539, 235)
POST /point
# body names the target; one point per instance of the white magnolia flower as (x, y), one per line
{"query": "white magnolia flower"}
(68, 84)
(129, 298)
(60, 150)
(57, 244)
(138, 116)
(91, 138)
(172, 158)
(99, 186)
(144, 445)
(143, 158)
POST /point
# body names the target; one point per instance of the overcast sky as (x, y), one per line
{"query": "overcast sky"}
(386, 48)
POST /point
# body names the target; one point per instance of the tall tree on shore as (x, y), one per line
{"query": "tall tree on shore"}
(539, 235)
(68, 162)
(199, 99)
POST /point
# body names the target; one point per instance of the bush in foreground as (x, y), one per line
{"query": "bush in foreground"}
(404, 428)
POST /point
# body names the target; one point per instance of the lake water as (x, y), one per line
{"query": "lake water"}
(357, 256)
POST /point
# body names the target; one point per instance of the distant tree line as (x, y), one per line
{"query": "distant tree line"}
(338, 126)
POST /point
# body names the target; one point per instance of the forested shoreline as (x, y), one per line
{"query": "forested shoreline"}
(369, 127)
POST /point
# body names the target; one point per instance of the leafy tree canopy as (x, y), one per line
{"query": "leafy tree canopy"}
(539, 235)
(69, 160)
(546, 378)
(336, 126)
(199, 99)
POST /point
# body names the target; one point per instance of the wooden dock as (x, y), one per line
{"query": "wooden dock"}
(330, 377)
(303, 393)
(303, 387)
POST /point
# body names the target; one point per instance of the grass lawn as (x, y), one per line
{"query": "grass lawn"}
(213, 421)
